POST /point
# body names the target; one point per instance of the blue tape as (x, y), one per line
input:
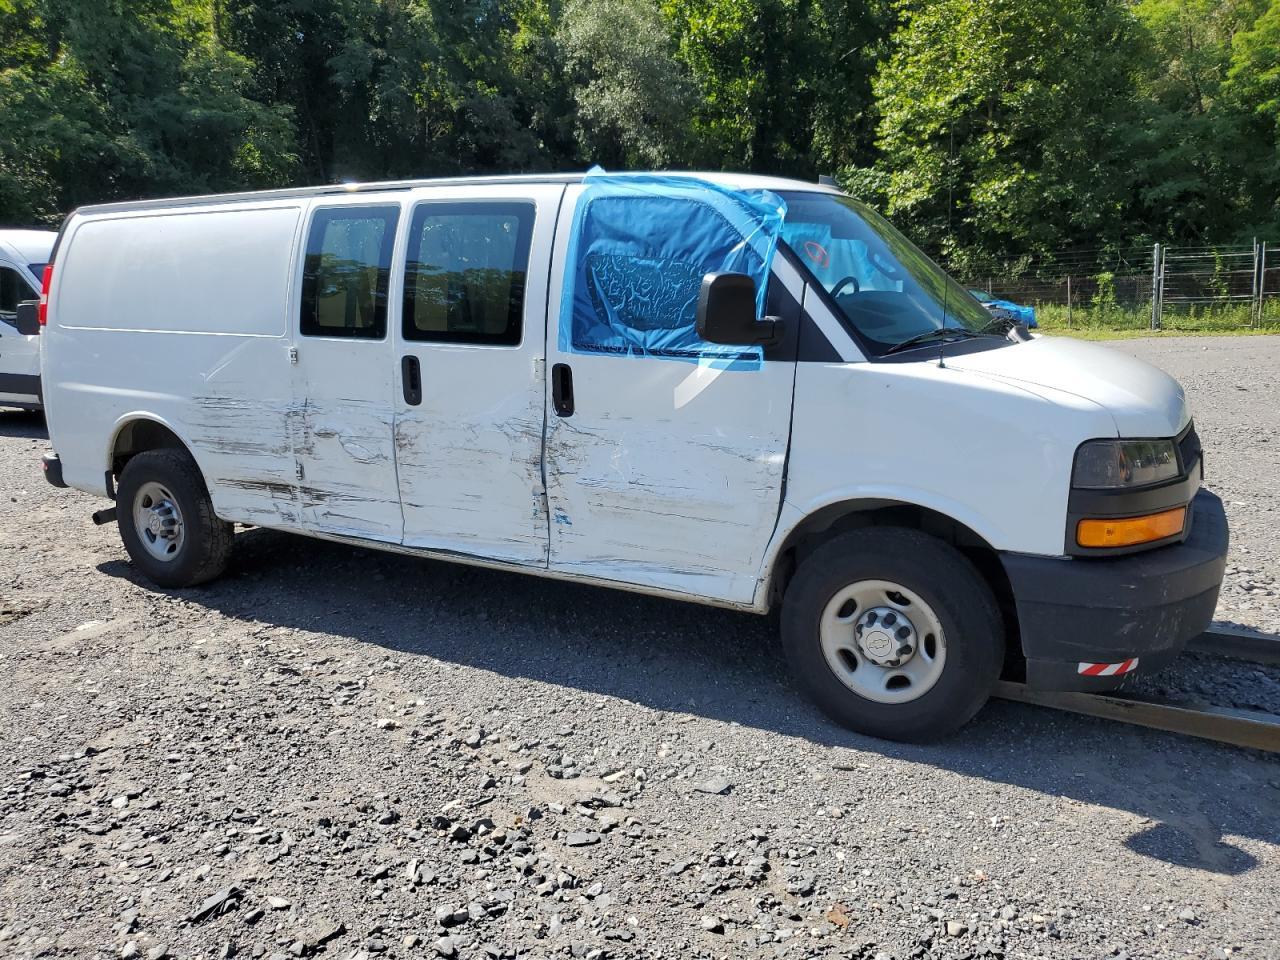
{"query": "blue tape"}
(639, 249)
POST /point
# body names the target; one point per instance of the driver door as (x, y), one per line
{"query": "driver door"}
(663, 472)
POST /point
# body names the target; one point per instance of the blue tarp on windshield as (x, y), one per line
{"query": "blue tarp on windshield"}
(640, 247)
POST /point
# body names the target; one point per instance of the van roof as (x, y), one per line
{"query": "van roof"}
(31, 246)
(739, 181)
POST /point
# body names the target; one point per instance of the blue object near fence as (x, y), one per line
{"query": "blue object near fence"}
(641, 245)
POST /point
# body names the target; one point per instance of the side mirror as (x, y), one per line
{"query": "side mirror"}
(27, 320)
(727, 312)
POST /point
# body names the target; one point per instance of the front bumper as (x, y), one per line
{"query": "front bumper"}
(1109, 610)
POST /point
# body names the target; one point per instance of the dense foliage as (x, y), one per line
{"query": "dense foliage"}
(990, 128)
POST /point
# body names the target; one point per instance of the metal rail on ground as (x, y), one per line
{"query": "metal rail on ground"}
(1242, 728)
(1238, 642)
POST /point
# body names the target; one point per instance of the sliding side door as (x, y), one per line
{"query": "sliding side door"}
(470, 345)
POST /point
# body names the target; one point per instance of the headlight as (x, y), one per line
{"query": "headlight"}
(1116, 464)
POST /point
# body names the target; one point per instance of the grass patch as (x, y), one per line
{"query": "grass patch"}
(1115, 322)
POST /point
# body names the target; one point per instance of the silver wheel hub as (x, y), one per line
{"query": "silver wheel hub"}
(883, 641)
(886, 636)
(158, 520)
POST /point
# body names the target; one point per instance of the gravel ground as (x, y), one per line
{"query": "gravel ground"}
(344, 753)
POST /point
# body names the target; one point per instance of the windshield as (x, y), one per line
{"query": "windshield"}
(982, 296)
(884, 285)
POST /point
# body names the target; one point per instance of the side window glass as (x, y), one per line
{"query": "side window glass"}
(639, 250)
(465, 272)
(13, 290)
(347, 272)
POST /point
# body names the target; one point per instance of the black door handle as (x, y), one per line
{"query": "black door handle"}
(411, 378)
(562, 390)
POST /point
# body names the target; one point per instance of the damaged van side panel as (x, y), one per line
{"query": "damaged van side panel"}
(205, 357)
(340, 314)
(470, 448)
(624, 507)
(668, 474)
(471, 481)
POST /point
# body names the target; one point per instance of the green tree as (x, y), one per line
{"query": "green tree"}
(409, 88)
(132, 98)
(1195, 149)
(1253, 78)
(1000, 121)
(1252, 91)
(633, 98)
(784, 85)
(987, 127)
(290, 44)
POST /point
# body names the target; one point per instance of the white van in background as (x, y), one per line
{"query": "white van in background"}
(735, 390)
(23, 255)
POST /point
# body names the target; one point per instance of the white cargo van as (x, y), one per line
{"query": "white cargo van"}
(734, 390)
(23, 255)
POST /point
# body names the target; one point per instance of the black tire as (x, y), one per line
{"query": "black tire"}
(945, 580)
(206, 542)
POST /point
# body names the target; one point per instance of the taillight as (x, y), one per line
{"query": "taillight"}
(42, 312)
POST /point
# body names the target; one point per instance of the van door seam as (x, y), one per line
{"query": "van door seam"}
(545, 383)
(763, 576)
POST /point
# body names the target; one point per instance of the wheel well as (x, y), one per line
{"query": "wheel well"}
(839, 518)
(139, 436)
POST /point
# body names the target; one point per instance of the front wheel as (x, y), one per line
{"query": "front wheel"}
(893, 633)
(167, 521)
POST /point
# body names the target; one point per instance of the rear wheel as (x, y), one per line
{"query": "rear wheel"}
(167, 522)
(893, 633)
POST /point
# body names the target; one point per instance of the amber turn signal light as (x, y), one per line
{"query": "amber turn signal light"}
(1130, 531)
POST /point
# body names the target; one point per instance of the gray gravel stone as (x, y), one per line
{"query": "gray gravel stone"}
(714, 785)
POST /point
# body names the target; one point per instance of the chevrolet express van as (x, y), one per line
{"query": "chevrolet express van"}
(734, 390)
(23, 254)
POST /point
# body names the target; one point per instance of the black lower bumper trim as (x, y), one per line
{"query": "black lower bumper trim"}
(53, 469)
(1108, 610)
(22, 384)
(1066, 676)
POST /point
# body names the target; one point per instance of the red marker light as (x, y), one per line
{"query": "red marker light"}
(42, 312)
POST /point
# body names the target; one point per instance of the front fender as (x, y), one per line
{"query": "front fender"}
(991, 455)
(793, 516)
(985, 525)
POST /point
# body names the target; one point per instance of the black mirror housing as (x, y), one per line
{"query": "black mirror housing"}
(27, 320)
(727, 312)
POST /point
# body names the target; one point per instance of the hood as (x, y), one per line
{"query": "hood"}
(1143, 400)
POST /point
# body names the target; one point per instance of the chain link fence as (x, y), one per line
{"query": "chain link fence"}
(1155, 287)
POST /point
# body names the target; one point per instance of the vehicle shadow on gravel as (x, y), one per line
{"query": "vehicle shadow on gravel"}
(22, 423)
(727, 666)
